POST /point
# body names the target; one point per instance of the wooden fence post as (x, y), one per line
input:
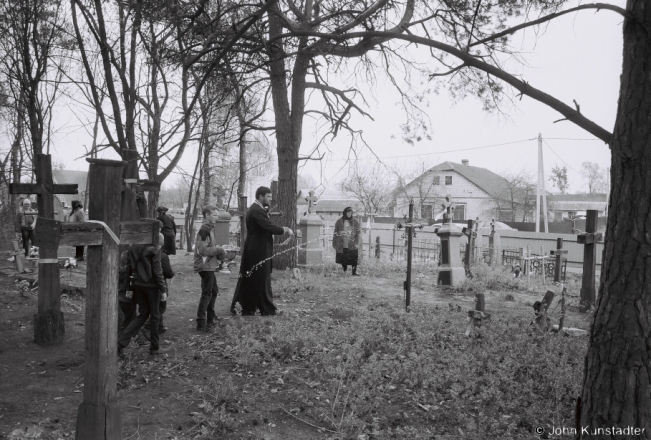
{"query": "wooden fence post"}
(377, 246)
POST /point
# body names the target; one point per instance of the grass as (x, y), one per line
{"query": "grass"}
(351, 369)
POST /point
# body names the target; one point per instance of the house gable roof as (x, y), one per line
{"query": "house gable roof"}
(491, 183)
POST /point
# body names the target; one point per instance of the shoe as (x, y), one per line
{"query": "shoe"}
(159, 351)
(162, 330)
(203, 328)
(79, 258)
(356, 275)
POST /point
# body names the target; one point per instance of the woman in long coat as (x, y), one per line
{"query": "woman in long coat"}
(168, 230)
(345, 240)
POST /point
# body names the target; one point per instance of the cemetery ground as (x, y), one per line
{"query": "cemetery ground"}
(341, 360)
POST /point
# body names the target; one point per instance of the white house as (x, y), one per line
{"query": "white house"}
(475, 191)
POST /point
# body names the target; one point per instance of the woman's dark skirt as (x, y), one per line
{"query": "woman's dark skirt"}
(348, 257)
(169, 246)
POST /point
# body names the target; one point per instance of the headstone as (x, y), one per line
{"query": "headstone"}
(310, 251)
(222, 228)
(451, 270)
(589, 239)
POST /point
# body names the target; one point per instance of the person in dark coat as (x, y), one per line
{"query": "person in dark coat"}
(148, 286)
(253, 290)
(76, 216)
(168, 274)
(168, 230)
(345, 240)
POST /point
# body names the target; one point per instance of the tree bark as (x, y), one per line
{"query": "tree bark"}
(616, 387)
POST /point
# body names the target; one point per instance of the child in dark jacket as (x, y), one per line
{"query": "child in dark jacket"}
(148, 286)
(168, 274)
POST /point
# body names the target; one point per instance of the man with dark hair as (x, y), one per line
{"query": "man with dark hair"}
(206, 260)
(168, 230)
(77, 216)
(253, 290)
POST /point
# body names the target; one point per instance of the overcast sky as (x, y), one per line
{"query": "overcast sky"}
(578, 56)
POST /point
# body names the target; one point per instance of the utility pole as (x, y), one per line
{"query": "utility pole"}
(540, 189)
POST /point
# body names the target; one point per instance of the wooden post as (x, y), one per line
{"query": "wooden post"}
(49, 327)
(377, 246)
(393, 241)
(410, 234)
(589, 239)
(99, 414)
(558, 254)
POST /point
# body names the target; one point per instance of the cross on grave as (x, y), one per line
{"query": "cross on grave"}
(49, 325)
(558, 253)
(449, 206)
(99, 415)
(311, 200)
(589, 239)
(471, 233)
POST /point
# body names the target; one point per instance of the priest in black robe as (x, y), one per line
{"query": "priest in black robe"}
(253, 290)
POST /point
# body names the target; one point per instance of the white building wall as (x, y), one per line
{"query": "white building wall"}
(478, 203)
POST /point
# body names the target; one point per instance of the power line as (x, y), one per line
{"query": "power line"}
(552, 150)
(439, 152)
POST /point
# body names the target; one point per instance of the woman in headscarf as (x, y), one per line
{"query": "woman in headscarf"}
(78, 216)
(345, 240)
(25, 224)
(168, 230)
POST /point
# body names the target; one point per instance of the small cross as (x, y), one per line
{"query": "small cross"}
(449, 207)
(311, 200)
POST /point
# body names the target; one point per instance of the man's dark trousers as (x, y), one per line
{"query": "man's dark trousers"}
(148, 299)
(209, 292)
(126, 314)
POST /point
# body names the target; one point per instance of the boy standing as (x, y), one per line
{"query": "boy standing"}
(206, 260)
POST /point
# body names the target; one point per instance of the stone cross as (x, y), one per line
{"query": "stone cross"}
(311, 200)
(448, 205)
(49, 325)
(589, 239)
(98, 416)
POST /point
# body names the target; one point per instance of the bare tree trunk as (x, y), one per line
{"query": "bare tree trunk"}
(617, 378)
(206, 169)
(289, 127)
(190, 214)
(15, 149)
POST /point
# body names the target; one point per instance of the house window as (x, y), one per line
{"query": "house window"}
(426, 211)
(436, 180)
(448, 180)
(459, 212)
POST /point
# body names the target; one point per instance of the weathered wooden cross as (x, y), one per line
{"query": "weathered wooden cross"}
(491, 244)
(449, 206)
(99, 415)
(409, 230)
(558, 253)
(311, 200)
(589, 239)
(49, 325)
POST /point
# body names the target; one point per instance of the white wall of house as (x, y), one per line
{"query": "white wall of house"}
(475, 201)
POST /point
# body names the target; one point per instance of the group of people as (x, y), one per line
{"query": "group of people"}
(26, 218)
(146, 269)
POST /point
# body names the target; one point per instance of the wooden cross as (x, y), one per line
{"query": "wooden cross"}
(99, 415)
(449, 208)
(589, 239)
(558, 253)
(311, 200)
(49, 325)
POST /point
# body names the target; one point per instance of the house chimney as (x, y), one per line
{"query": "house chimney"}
(466, 162)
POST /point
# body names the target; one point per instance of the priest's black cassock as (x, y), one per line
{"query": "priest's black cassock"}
(253, 290)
